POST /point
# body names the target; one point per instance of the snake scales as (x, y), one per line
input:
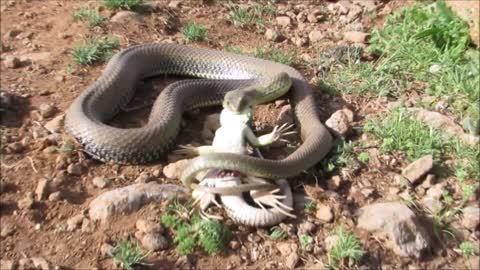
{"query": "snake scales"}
(221, 72)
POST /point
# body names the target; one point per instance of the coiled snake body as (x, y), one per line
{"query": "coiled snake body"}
(221, 72)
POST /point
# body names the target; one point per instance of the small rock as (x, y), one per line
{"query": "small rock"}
(340, 122)
(274, 35)
(335, 182)
(175, 4)
(75, 169)
(324, 213)
(46, 110)
(287, 248)
(100, 181)
(408, 237)
(16, 147)
(25, 264)
(88, 226)
(414, 171)
(283, 21)
(42, 189)
(126, 16)
(147, 226)
(292, 260)
(316, 36)
(432, 205)
(106, 249)
(174, 170)
(130, 198)
(356, 37)
(253, 238)
(55, 196)
(8, 264)
(471, 217)
(12, 62)
(157, 173)
(144, 177)
(367, 191)
(6, 230)
(234, 245)
(355, 27)
(315, 16)
(435, 191)
(154, 242)
(74, 222)
(59, 78)
(300, 41)
(27, 202)
(306, 227)
(40, 263)
(12, 33)
(55, 124)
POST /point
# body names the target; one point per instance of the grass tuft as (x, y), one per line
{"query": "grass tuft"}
(347, 249)
(94, 50)
(92, 17)
(194, 32)
(126, 4)
(278, 233)
(468, 249)
(251, 16)
(275, 55)
(128, 254)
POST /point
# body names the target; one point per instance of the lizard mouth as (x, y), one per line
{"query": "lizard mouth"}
(227, 174)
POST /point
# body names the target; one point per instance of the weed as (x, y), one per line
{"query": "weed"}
(127, 4)
(347, 249)
(67, 147)
(94, 50)
(278, 233)
(254, 16)
(363, 157)
(467, 249)
(275, 55)
(233, 49)
(305, 240)
(341, 156)
(310, 206)
(128, 254)
(91, 16)
(194, 32)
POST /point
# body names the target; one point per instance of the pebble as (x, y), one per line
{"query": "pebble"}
(6, 230)
(274, 35)
(75, 169)
(40, 263)
(12, 62)
(126, 16)
(356, 37)
(316, 36)
(300, 41)
(335, 182)
(144, 177)
(287, 248)
(324, 213)
(306, 227)
(154, 242)
(88, 226)
(174, 170)
(8, 264)
(283, 21)
(55, 196)
(100, 181)
(147, 226)
(340, 122)
(27, 202)
(315, 16)
(16, 147)
(56, 124)
(42, 189)
(46, 110)
(292, 260)
(106, 249)
(175, 4)
(74, 222)
(234, 245)
(471, 217)
(414, 171)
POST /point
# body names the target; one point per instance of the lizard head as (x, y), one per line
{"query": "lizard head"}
(239, 100)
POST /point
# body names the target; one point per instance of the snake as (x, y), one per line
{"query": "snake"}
(217, 73)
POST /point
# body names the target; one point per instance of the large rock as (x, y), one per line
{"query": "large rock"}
(420, 167)
(471, 217)
(126, 16)
(399, 223)
(130, 198)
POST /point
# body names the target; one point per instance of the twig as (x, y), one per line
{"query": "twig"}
(32, 164)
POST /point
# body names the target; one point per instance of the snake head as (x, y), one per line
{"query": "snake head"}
(239, 100)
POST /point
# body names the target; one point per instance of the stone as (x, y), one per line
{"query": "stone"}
(8, 264)
(27, 202)
(340, 122)
(16, 147)
(46, 110)
(335, 182)
(306, 227)
(174, 170)
(147, 226)
(287, 248)
(88, 226)
(74, 222)
(444, 124)
(144, 177)
(315, 16)
(300, 41)
(6, 229)
(407, 236)
(316, 36)
(100, 181)
(40, 263)
(356, 37)
(126, 16)
(154, 242)
(75, 169)
(415, 170)
(471, 217)
(234, 245)
(42, 189)
(55, 196)
(324, 213)
(56, 124)
(12, 62)
(25, 264)
(435, 191)
(128, 199)
(12, 33)
(274, 35)
(175, 4)
(292, 260)
(106, 249)
(283, 21)
(431, 204)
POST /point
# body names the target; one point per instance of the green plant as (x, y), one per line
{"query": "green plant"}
(305, 240)
(341, 156)
(67, 147)
(94, 50)
(251, 16)
(363, 157)
(194, 32)
(127, 4)
(91, 16)
(275, 55)
(310, 206)
(233, 49)
(347, 249)
(467, 249)
(278, 233)
(128, 254)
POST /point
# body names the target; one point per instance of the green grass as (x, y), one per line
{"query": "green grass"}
(194, 32)
(348, 249)
(422, 47)
(233, 49)
(128, 254)
(275, 55)
(277, 233)
(126, 4)
(341, 156)
(399, 131)
(94, 50)
(305, 240)
(310, 206)
(468, 249)
(92, 17)
(363, 157)
(251, 16)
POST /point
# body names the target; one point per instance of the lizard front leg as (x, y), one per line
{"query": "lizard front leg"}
(267, 139)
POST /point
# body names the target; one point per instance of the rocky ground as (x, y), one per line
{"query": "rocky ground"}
(60, 209)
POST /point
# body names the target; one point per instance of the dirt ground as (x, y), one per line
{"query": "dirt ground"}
(47, 34)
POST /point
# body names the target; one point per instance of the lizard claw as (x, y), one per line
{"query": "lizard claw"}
(270, 199)
(186, 150)
(202, 202)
